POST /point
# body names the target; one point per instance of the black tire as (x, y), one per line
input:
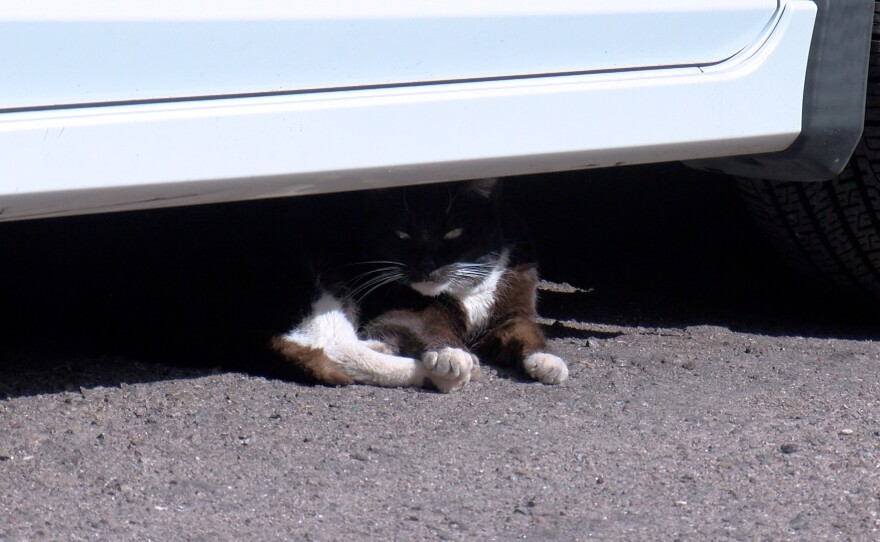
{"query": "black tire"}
(831, 229)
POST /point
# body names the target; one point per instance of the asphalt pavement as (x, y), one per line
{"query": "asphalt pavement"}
(713, 395)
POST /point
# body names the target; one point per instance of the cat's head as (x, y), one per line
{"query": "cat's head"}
(441, 238)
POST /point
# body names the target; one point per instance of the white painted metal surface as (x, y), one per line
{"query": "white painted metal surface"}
(87, 51)
(111, 158)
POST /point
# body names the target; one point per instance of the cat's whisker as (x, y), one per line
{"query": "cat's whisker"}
(358, 278)
(476, 266)
(368, 262)
(388, 276)
(374, 271)
(471, 273)
(369, 283)
(389, 279)
(470, 277)
(357, 287)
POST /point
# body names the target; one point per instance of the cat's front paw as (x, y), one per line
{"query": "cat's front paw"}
(545, 368)
(450, 368)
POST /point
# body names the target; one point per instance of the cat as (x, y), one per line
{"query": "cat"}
(443, 278)
(410, 286)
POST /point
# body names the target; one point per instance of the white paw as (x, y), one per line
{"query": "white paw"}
(450, 368)
(545, 368)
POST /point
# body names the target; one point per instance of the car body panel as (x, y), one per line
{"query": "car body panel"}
(61, 161)
(87, 52)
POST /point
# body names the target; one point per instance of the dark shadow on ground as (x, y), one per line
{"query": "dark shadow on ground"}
(653, 246)
(88, 299)
(558, 330)
(667, 246)
(33, 371)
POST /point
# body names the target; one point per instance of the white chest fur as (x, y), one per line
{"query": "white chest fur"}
(479, 300)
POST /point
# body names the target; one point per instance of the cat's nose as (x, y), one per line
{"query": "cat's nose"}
(427, 266)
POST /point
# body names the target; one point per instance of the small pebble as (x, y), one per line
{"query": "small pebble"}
(846, 431)
(789, 448)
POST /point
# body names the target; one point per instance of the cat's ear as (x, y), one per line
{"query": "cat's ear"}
(487, 188)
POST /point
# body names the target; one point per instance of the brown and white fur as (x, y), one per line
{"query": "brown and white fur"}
(448, 284)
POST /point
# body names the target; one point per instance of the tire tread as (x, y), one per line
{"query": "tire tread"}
(831, 229)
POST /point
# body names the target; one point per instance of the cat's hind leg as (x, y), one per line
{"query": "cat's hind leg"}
(311, 362)
(325, 346)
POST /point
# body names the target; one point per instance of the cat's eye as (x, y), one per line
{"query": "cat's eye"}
(453, 234)
(402, 235)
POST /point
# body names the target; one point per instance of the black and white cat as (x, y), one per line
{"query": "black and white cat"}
(440, 278)
(399, 287)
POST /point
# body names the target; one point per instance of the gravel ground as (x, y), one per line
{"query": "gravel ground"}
(710, 398)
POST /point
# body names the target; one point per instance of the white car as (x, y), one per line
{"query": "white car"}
(108, 106)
